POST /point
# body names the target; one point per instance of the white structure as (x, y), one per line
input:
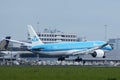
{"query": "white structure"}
(53, 36)
(57, 37)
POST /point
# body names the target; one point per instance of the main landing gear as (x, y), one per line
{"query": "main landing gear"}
(104, 56)
(78, 59)
(61, 58)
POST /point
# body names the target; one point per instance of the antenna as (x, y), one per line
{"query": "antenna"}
(38, 27)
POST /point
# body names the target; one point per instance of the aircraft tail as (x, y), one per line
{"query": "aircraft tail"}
(33, 36)
(4, 43)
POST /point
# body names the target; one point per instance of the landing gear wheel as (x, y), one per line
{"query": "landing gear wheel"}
(78, 59)
(61, 58)
(104, 56)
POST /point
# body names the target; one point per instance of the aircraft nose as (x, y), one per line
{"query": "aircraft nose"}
(111, 45)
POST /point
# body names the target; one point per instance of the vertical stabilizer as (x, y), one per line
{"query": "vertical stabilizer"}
(7, 41)
(33, 36)
(4, 43)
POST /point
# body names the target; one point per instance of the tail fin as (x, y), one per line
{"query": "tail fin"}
(7, 41)
(4, 43)
(33, 36)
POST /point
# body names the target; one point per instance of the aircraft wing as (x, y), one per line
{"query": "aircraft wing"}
(20, 42)
(87, 51)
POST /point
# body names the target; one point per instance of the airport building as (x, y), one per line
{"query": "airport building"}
(54, 36)
(57, 37)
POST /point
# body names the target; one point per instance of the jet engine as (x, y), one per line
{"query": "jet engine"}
(98, 53)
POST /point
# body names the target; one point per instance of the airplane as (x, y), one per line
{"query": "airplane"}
(63, 50)
(4, 43)
(4, 51)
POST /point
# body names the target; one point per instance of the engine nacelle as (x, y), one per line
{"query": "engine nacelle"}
(98, 53)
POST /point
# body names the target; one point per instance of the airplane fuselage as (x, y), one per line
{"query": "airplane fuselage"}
(67, 48)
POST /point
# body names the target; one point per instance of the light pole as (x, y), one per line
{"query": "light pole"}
(105, 32)
(38, 26)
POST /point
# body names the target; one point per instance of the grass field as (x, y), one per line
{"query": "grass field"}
(59, 73)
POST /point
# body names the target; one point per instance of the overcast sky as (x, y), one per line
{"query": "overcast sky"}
(86, 18)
